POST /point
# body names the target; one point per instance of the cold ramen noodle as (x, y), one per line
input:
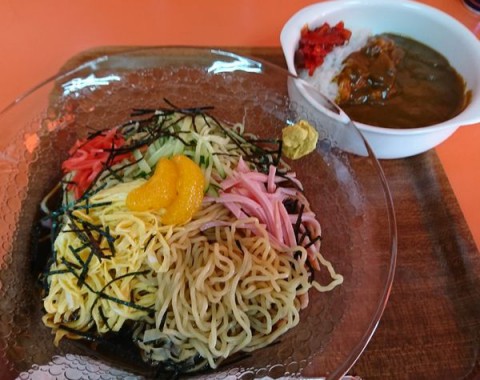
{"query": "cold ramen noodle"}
(190, 233)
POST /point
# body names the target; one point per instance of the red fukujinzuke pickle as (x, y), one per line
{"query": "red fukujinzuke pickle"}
(314, 45)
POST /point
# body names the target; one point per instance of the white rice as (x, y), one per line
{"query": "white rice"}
(322, 78)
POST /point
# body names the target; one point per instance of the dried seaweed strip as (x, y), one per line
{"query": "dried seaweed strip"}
(102, 294)
(298, 222)
(104, 318)
(84, 334)
(105, 233)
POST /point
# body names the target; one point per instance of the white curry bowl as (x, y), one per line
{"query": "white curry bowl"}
(411, 19)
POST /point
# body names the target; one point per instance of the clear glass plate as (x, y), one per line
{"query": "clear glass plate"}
(347, 191)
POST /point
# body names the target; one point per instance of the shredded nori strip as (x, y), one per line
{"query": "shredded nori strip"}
(87, 229)
(148, 241)
(123, 167)
(104, 318)
(84, 334)
(313, 241)
(292, 183)
(101, 293)
(298, 222)
(75, 253)
(72, 267)
(57, 271)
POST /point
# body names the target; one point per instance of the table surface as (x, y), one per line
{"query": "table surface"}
(431, 325)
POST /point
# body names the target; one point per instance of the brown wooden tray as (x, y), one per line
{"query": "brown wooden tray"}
(431, 325)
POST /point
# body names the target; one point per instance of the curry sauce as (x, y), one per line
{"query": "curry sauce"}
(397, 82)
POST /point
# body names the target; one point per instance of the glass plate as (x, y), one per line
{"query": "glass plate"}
(347, 191)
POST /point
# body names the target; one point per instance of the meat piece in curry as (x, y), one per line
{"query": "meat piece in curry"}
(398, 82)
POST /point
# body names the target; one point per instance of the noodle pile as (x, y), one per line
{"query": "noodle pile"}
(191, 294)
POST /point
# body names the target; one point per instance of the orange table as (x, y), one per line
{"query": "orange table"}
(39, 36)
(432, 319)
